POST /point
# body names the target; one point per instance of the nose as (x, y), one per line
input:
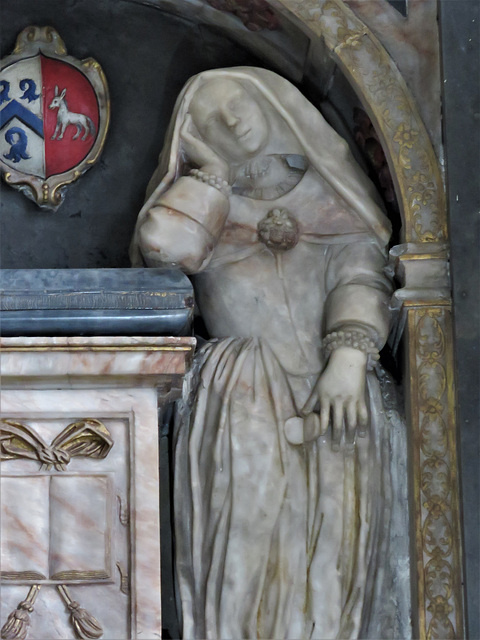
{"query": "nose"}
(231, 120)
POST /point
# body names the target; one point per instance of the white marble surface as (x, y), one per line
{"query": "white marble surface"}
(80, 523)
(277, 537)
(24, 501)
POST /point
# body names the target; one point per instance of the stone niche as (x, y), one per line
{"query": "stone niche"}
(148, 50)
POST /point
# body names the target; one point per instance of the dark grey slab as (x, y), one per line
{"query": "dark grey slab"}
(39, 302)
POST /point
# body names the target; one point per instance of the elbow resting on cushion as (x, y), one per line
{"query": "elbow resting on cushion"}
(168, 239)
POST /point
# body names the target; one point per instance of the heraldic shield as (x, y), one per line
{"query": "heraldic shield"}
(54, 116)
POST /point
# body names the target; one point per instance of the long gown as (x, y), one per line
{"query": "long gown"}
(275, 540)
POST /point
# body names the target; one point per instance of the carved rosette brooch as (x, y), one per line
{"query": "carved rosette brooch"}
(269, 178)
(278, 230)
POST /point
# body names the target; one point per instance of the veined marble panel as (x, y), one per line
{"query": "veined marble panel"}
(23, 547)
(80, 530)
(97, 361)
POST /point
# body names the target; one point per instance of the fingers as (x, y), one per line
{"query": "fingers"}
(188, 137)
(348, 415)
(362, 419)
(351, 421)
(311, 402)
(337, 426)
(184, 130)
(324, 416)
(195, 146)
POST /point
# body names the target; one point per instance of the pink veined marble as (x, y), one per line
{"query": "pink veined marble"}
(80, 530)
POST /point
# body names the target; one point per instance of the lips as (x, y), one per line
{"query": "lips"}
(242, 135)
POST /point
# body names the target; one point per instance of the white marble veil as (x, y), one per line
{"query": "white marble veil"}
(378, 616)
(325, 149)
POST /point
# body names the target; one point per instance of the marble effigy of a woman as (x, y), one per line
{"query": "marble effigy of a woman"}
(283, 456)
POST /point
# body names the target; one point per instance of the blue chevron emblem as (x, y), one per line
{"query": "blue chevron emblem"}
(16, 110)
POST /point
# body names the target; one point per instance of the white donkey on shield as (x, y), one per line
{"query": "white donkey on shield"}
(66, 117)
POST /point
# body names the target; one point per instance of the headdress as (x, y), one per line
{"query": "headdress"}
(326, 150)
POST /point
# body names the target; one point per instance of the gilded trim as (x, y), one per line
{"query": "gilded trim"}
(427, 303)
(384, 94)
(422, 256)
(435, 481)
(436, 561)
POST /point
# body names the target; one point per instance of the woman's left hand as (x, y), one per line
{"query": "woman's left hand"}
(341, 391)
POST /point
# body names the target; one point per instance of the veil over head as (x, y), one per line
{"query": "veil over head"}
(327, 152)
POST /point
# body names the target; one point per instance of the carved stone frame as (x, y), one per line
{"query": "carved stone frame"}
(425, 309)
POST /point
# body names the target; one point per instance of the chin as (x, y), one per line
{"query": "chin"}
(253, 146)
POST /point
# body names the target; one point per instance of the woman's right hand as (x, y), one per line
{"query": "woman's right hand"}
(200, 153)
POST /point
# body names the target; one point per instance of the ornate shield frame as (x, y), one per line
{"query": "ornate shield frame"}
(48, 193)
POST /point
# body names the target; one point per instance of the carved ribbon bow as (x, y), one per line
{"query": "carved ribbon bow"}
(88, 438)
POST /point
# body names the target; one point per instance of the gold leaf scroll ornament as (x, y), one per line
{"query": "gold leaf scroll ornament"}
(16, 626)
(88, 438)
(85, 625)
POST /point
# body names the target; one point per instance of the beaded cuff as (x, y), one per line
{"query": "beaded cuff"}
(350, 338)
(212, 180)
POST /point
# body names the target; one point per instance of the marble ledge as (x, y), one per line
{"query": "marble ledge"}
(77, 361)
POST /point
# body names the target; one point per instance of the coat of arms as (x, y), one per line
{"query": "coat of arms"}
(54, 116)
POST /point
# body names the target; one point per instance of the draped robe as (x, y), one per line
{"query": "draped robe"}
(275, 540)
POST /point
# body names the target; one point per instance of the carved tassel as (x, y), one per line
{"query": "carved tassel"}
(86, 627)
(16, 626)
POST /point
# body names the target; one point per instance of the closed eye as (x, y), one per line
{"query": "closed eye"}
(233, 105)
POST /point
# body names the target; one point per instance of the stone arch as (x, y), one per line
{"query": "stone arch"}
(423, 300)
(373, 75)
(382, 90)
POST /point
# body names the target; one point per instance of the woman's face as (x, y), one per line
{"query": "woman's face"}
(229, 120)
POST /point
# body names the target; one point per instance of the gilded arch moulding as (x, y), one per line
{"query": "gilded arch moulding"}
(422, 267)
(382, 89)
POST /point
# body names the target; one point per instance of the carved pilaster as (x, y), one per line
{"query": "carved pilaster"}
(434, 464)
(423, 306)
(425, 312)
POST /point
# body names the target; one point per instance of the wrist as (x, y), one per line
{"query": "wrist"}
(350, 356)
(217, 169)
(352, 338)
(213, 180)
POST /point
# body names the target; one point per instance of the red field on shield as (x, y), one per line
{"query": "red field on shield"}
(80, 100)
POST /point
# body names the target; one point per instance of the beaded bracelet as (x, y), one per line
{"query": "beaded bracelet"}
(212, 180)
(350, 338)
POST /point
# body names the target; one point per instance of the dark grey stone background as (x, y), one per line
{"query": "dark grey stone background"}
(147, 56)
(460, 38)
